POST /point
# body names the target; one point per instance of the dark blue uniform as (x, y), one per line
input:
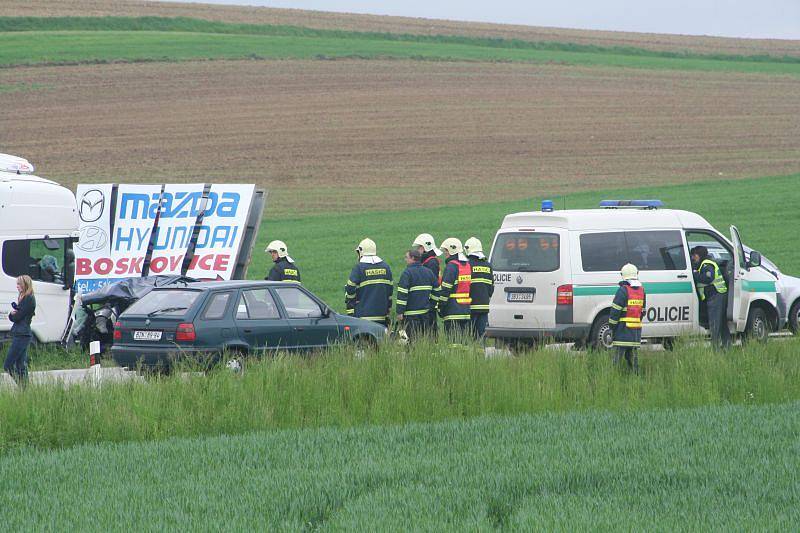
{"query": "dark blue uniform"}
(431, 262)
(415, 298)
(284, 270)
(368, 293)
(627, 311)
(480, 292)
(713, 291)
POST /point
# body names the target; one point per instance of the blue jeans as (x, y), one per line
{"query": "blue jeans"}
(17, 359)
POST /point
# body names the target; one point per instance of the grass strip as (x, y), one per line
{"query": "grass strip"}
(713, 468)
(395, 385)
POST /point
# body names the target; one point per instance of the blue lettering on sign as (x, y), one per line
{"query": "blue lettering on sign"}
(127, 239)
(181, 204)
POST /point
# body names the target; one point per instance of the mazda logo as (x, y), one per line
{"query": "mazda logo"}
(91, 206)
(92, 239)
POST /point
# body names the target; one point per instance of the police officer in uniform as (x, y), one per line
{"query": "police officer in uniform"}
(454, 290)
(426, 246)
(368, 293)
(284, 268)
(415, 296)
(713, 291)
(625, 318)
(481, 287)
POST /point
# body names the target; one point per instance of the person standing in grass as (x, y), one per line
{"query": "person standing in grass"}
(284, 268)
(21, 315)
(368, 293)
(481, 287)
(426, 245)
(454, 299)
(713, 291)
(415, 296)
(625, 319)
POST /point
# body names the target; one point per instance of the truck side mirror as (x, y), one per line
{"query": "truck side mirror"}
(755, 259)
(69, 275)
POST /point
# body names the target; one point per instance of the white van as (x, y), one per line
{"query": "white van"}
(556, 273)
(38, 224)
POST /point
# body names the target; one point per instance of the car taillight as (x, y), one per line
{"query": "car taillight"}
(117, 331)
(564, 295)
(185, 333)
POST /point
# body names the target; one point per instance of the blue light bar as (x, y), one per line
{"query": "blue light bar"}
(647, 204)
(547, 206)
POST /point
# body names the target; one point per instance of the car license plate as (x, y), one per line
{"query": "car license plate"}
(520, 297)
(147, 335)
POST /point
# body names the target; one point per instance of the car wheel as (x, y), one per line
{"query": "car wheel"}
(668, 343)
(757, 328)
(794, 318)
(601, 336)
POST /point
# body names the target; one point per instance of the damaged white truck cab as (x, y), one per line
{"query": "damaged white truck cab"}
(38, 224)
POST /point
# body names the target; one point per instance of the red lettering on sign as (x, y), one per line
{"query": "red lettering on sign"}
(175, 261)
(136, 265)
(158, 265)
(103, 266)
(83, 266)
(122, 266)
(221, 262)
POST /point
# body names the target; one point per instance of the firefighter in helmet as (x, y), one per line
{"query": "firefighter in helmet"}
(368, 293)
(284, 268)
(454, 290)
(481, 287)
(625, 319)
(426, 246)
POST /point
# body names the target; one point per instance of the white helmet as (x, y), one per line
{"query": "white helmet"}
(473, 246)
(629, 272)
(426, 241)
(453, 246)
(277, 246)
(367, 247)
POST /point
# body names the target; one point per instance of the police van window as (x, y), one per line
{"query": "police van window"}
(717, 250)
(41, 259)
(656, 250)
(526, 252)
(603, 252)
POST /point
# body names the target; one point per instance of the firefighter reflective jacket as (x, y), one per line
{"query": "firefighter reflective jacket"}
(709, 280)
(481, 286)
(368, 293)
(431, 262)
(284, 270)
(627, 311)
(415, 291)
(454, 299)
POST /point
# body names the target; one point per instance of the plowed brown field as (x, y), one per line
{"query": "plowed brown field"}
(323, 20)
(346, 135)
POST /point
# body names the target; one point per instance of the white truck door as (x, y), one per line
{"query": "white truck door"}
(738, 300)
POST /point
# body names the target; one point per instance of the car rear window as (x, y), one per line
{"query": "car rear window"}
(164, 303)
(526, 252)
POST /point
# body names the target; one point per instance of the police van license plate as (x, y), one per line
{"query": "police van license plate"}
(519, 296)
(147, 335)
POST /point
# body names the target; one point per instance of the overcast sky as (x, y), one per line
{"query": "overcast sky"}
(775, 19)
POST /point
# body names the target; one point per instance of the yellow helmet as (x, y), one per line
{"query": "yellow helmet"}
(367, 247)
(629, 272)
(473, 246)
(428, 244)
(277, 246)
(453, 246)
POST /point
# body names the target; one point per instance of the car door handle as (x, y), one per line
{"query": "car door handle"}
(299, 328)
(248, 330)
(683, 276)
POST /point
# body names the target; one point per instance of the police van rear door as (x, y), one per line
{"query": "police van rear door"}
(529, 267)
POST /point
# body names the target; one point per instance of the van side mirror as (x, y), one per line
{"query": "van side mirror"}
(755, 259)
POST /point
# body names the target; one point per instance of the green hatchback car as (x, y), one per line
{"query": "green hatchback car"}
(247, 317)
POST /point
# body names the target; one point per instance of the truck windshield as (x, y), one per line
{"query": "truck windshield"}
(164, 303)
(526, 252)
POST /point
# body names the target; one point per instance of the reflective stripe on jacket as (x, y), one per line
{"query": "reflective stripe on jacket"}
(453, 293)
(627, 311)
(481, 285)
(415, 291)
(284, 270)
(709, 275)
(368, 293)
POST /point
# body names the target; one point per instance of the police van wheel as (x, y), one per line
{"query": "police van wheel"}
(668, 343)
(794, 318)
(600, 337)
(757, 326)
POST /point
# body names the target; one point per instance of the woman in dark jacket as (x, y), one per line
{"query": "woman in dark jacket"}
(23, 311)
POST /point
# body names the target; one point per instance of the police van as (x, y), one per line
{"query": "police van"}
(556, 273)
(38, 225)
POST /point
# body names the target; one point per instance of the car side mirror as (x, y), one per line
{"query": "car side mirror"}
(326, 312)
(755, 259)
